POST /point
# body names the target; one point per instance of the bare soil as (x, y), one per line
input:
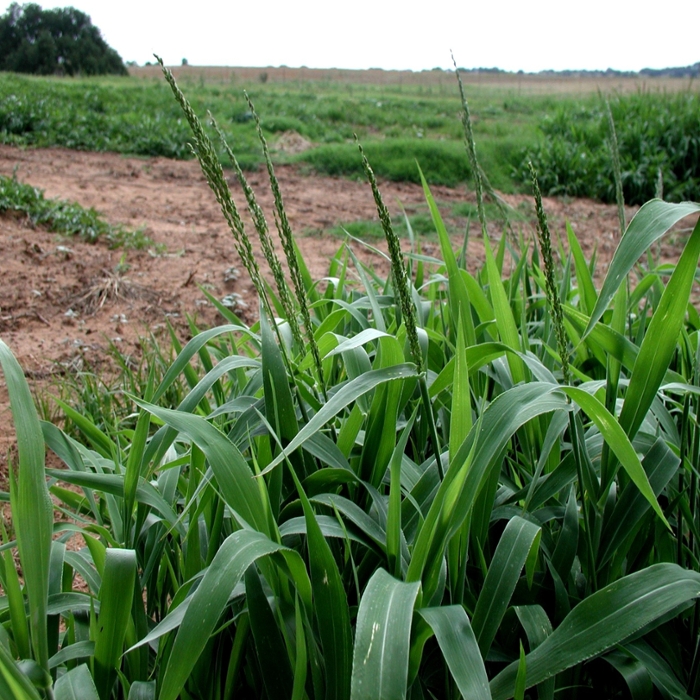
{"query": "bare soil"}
(63, 301)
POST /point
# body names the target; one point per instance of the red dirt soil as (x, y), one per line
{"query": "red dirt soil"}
(50, 311)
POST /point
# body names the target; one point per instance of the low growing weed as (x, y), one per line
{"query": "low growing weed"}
(65, 217)
(429, 484)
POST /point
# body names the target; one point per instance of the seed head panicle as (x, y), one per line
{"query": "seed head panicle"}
(398, 267)
(553, 300)
(204, 151)
(260, 224)
(287, 239)
(471, 152)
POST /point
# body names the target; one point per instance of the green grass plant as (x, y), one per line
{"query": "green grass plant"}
(64, 217)
(443, 511)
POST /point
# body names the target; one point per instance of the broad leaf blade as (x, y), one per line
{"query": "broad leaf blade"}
(513, 548)
(330, 606)
(458, 644)
(343, 397)
(380, 659)
(602, 620)
(116, 598)
(32, 511)
(661, 338)
(234, 556)
(77, 684)
(618, 442)
(650, 223)
(233, 475)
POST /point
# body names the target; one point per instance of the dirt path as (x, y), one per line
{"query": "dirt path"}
(56, 312)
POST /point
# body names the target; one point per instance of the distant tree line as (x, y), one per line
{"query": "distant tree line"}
(676, 72)
(681, 72)
(62, 41)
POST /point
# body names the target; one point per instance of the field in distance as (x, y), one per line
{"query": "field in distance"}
(546, 83)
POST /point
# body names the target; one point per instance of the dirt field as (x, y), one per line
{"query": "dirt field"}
(62, 301)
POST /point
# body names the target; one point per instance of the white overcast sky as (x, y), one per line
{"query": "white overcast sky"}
(529, 35)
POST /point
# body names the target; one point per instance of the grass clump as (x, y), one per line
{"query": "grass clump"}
(443, 510)
(67, 218)
(442, 161)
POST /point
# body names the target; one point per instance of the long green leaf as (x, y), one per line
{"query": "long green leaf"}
(142, 690)
(380, 658)
(233, 475)
(618, 442)
(513, 548)
(116, 598)
(458, 294)
(234, 556)
(189, 351)
(537, 627)
(602, 620)
(32, 511)
(660, 463)
(505, 322)
(471, 467)
(77, 684)
(269, 642)
(586, 290)
(280, 412)
(330, 606)
(13, 683)
(345, 395)
(661, 338)
(461, 413)
(458, 644)
(651, 222)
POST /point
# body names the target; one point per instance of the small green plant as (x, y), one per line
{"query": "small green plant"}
(65, 217)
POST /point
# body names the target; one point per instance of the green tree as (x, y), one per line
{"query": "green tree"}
(62, 41)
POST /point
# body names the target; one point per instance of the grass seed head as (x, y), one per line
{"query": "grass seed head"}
(545, 241)
(398, 266)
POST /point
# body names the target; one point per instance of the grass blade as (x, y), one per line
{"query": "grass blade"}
(616, 438)
(458, 644)
(32, 511)
(231, 561)
(343, 397)
(234, 477)
(269, 642)
(77, 684)
(602, 620)
(650, 223)
(661, 338)
(116, 598)
(458, 294)
(14, 684)
(471, 467)
(380, 659)
(330, 606)
(517, 540)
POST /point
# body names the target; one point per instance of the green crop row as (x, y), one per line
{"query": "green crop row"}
(658, 139)
(137, 117)
(65, 217)
(433, 483)
(566, 138)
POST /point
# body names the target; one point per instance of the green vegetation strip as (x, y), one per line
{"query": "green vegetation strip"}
(65, 217)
